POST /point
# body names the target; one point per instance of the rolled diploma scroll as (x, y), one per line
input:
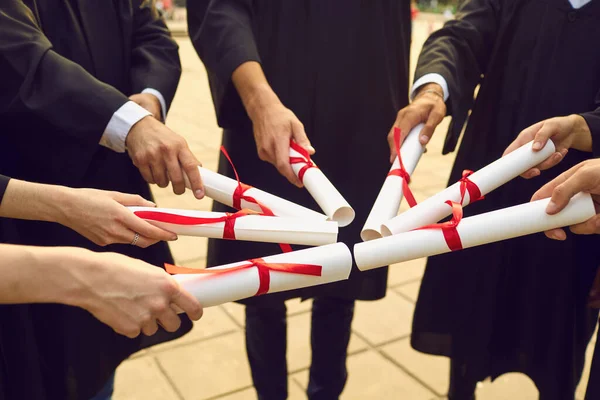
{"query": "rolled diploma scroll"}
(254, 228)
(221, 188)
(494, 226)
(325, 194)
(212, 290)
(487, 179)
(388, 201)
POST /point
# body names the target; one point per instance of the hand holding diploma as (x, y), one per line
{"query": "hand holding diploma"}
(571, 132)
(584, 177)
(428, 107)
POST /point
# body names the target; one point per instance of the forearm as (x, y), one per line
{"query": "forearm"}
(39, 275)
(33, 201)
(253, 88)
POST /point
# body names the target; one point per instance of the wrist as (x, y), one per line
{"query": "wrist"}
(139, 126)
(582, 136)
(430, 88)
(259, 99)
(62, 284)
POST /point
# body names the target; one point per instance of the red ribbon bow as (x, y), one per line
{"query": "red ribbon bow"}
(401, 172)
(467, 185)
(264, 268)
(305, 159)
(449, 228)
(238, 196)
(229, 219)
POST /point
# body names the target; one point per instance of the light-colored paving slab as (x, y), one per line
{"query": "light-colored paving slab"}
(142, 379)
(432, 371)
(374, 377)
(208, 368)
(383, 320)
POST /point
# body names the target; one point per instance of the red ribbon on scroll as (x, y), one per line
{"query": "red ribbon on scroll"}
(238, 196)
(467, 185)
(229, 219)
(449, 228)
(264, 268)
(401, 172)
(305, 159)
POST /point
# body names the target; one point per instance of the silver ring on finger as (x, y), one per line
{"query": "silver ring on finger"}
(135, 239)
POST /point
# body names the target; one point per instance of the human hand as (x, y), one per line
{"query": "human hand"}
(427, 107)
(103, 218)
(274, 126)
(150, 103)
(570, 132)
(129, 295)
(161, 155)
(584, 177)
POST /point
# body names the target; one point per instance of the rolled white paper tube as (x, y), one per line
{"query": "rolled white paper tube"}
(487, 179)
(325, 194)
(215, 289)
(221, 188)
(494, 226)
(254, 228)
(388, 201)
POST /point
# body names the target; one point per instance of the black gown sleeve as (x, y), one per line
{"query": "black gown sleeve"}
(3, 184)
(155, 55)
(460, 52)
(222, 34)
(37, 80)
(593, 120)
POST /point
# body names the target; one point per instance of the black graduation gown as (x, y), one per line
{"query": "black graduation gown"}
(342, 67)
(517, 305)
(65, 68)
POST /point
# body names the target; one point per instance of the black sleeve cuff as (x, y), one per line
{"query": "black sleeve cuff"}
(593, 121)
(3, 184)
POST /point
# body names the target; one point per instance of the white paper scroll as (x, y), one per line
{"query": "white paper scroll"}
(487, 179)
(325, 194)
(213, 289)
(221, 188)
(388, 201)
(494, 226)
(255, 228)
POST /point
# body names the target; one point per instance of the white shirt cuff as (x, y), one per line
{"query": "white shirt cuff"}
(430, 78)
(161, 99)
(120, 124)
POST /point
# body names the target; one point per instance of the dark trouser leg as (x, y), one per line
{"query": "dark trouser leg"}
(330, 334)
(462, 385)
(266, 330)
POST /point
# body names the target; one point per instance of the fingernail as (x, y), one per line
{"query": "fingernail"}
(557, 156)
(552, 208)
(199, 193)
(537, 145)
(174, 237)
(311, 149)
(152, 204)
(424, 139)
(553, 235)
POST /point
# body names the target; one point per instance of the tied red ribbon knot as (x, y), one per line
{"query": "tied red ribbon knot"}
(448, 228)
(467, 185)
(239, 195)
(401, 172)
(229, 219)
(264, 269)
(305, 159)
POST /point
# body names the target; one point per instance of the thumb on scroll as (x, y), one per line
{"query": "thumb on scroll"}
(300, 137)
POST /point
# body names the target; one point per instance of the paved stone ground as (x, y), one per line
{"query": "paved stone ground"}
(210, 362)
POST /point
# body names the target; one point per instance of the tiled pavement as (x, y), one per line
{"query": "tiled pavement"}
(210, 362)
